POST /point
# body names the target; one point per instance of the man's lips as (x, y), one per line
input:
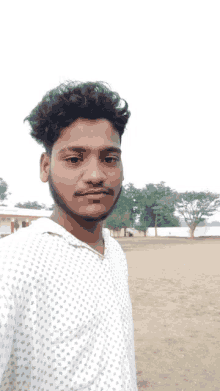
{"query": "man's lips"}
(95, 196)
(94, 191)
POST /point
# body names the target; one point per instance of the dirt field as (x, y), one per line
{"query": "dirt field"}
(174, 286)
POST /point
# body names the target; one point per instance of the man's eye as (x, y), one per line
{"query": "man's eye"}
(111, 159)
(73, 160)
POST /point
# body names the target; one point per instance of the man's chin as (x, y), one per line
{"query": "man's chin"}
(91, 216)
(93, 213)
(86, 216)
(94, 219)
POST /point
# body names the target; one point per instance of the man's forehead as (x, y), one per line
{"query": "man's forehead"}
(84, 125)
(85, 134)
(88, 148)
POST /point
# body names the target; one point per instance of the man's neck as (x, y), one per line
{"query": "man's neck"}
(89, 232)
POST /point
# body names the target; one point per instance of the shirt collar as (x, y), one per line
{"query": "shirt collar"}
(46, 225)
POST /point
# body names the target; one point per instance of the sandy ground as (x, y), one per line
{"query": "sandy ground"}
(174, 286)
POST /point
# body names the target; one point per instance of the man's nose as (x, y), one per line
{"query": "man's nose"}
(94, 171)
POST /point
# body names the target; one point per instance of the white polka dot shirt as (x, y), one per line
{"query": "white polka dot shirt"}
(65, 313)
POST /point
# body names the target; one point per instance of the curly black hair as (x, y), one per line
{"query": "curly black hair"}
(64, 104)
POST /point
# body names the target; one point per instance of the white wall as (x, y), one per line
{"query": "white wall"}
(184, 231)
(174, 231)
(5, 229)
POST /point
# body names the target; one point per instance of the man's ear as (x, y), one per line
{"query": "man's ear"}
(44, 167)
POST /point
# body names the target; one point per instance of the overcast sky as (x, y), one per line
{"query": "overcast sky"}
(163, 57)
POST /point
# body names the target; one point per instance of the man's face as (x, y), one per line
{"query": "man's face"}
(86, 158)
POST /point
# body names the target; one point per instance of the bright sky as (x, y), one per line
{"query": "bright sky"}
(163, 57)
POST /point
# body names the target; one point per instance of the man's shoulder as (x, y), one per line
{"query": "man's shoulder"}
(23, 237)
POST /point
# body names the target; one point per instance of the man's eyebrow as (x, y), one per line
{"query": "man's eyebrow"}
(80, 149)
(112, 149)
(71, 149)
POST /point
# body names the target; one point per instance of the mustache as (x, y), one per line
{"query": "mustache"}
(91, 191)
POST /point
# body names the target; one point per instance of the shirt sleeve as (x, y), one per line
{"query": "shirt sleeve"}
(7, 326)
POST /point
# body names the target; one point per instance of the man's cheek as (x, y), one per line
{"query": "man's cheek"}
(65, 189)
(115, 177)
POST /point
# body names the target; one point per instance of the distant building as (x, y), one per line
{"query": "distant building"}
(13, 219)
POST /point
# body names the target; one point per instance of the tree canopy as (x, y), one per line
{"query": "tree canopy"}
(3, 191)
(155, 205)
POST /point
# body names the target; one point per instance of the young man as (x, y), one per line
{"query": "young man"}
(65, 309)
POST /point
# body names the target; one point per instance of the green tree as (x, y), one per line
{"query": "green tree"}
(30, 205)
(3, 191)
(126, 211)
(132, 201)
(119, 217)
(157, 207)
(16, 224)
(145, 221)
(195, 206)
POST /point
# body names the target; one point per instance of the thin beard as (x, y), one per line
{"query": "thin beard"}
(61, 204)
